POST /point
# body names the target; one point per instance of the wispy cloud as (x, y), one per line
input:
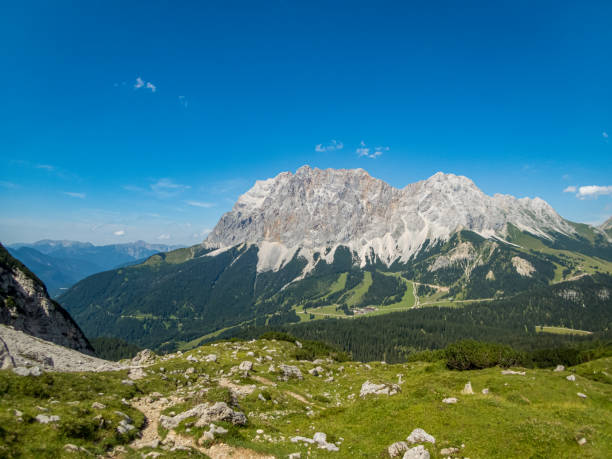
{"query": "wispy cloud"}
(140, 83)
(183, 101)
(206, 205)
(368, 152)
(605, 135)
(46, 167)
(163, 237)
(331, 146)
(589, 191)
(72, 194)
(9, 185)
(119, 233)
(166, 188)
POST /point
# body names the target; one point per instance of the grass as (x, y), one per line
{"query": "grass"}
(536, 415)
(561, 330)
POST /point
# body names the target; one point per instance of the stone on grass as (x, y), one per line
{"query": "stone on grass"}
(571, 378)
(397, 448)
(449, 451)
(290, 372)
(512, 372)
(98, 406)
(582, 441)
(144, 357)
(245, 367)
(418, 452)
(559, 368)
(295, 456)
(467, 390)
(450, 400)
(44, 419)
(211, 358)
(369, 387)
(24, 371)
(485, 391)
(136, 373)
(581, 395)
(420, 436)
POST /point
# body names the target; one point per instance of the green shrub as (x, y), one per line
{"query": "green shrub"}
(472, 355)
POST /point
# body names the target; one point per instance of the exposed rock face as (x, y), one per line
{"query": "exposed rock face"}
(315, 209)
(28, 354)
(206, 413)
(26, 306)
(378, 389)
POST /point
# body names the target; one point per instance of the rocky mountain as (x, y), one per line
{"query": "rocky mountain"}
(314, 210)
(338, 243)
(26, 306)
(607, 227)
(60, 264)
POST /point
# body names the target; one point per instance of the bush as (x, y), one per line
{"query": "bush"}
(473, 355)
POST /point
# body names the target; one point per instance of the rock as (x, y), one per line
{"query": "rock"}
(191, 358)
(316, 371)
(397, 448)
(302, 439)
(24, 371)
(581, 395)
(44, 419)
(571, 378)
(70, 448)
(206, 413)
(190, 371)
(211, 358)
(245, 367)
(582, 441)
(298, 344)
(485, 391)
(467, 390)
(295, 456)
(262, 398)
(250, 354)
(321, 440)
(144, 357)
(559, 368)
(418, 452)
(512, 372)
(449, 451)
(98, 406)
(136, 373)
(127, 382)
(289, 372)
(378, 389)
(420, 436)
(259, 431)
(125, 426)
(450, 400)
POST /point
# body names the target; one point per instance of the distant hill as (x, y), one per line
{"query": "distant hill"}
(61, 264)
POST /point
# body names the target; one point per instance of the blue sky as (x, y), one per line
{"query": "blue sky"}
(146, 120)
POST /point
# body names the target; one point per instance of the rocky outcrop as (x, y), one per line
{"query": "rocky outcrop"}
(29, 355)
(26, 306)
(206, 413)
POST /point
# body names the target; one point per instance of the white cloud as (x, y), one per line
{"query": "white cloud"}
(205, 205)
(8, 185)
(165, 188)
(163, 237)
(593, 191)
(570, 189)
(140, 83)
(201, 234)
(363, 150)
(119, 233)
(46, 167)
(183, 101)
(604, 135)
(74, 195)
(331, 146)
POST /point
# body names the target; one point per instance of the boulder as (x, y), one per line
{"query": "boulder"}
(449, 451)
(418, 452)
(211, 358)
(44, 419)
(467, 390)
(98, 406)
(378, 389)
(136, 373)
(397, 448)
(512, 372)
(571, 378)
(450, 400)
(25, 371)
(420, 436)
(559, 368)
(581, 395)
(206, 413)
(290, 372)
(144, 357)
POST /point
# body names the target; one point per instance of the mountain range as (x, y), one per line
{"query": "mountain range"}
(60, 264)
(337, 243)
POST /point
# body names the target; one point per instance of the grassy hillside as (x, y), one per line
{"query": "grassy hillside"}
(538, 414)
